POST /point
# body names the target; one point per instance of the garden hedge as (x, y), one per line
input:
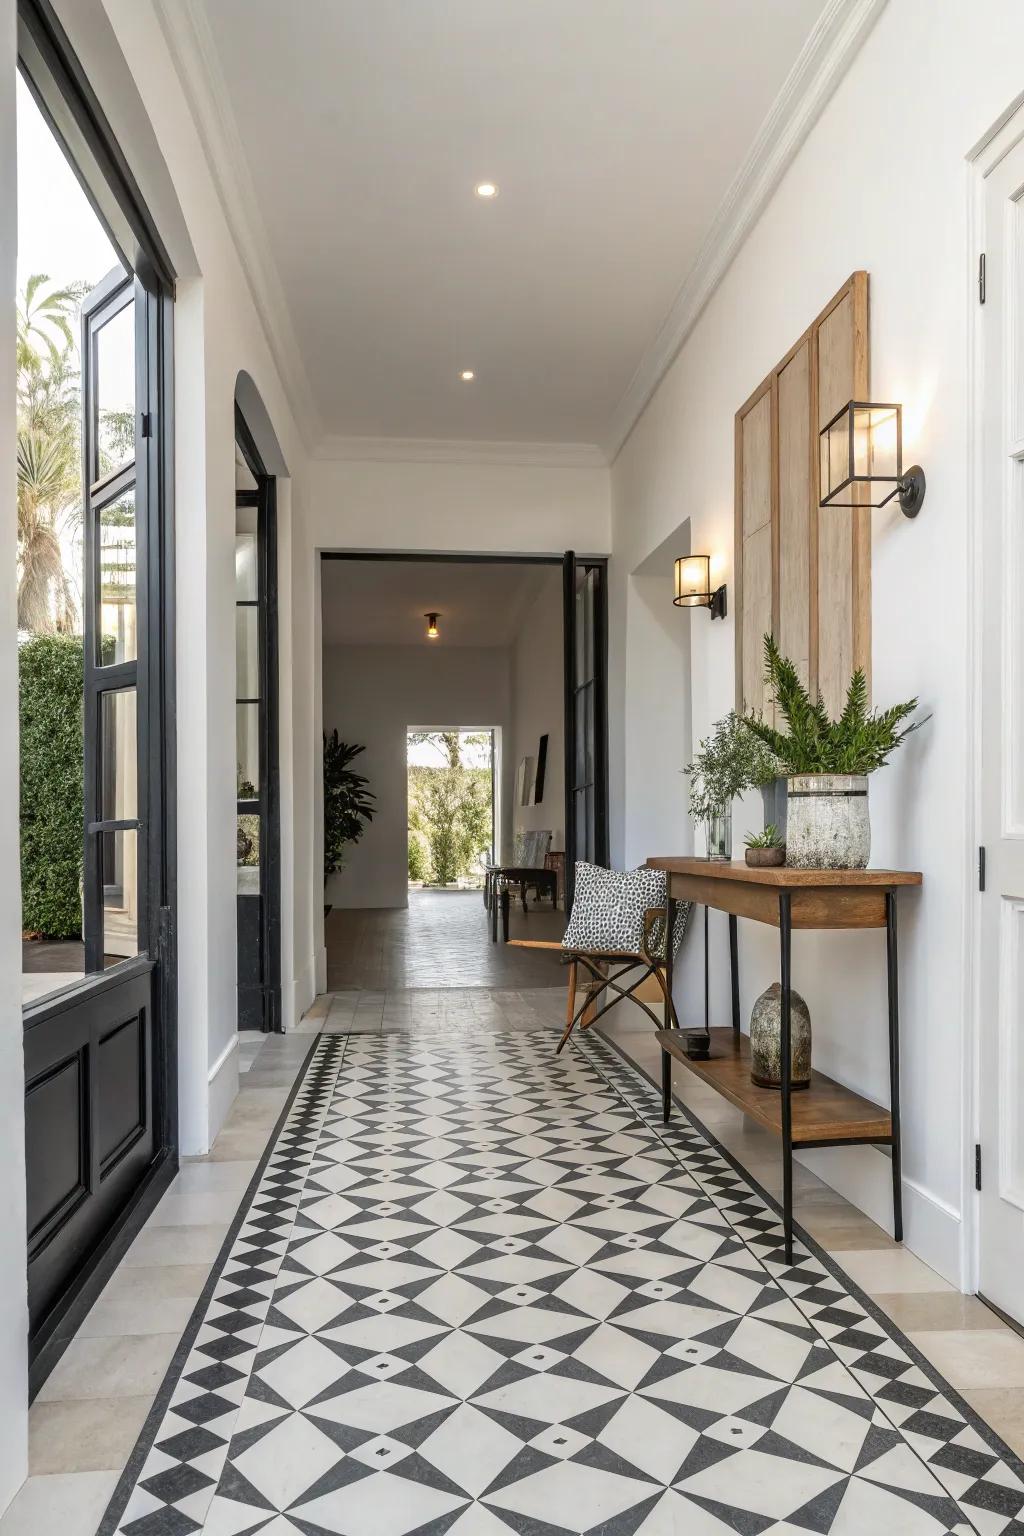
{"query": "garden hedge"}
(50, 691)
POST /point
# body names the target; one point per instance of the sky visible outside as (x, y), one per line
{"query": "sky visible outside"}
(427, 754)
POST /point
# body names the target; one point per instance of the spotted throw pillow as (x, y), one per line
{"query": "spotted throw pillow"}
(608, 910)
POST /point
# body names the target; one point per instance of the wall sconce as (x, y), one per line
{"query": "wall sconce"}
(863, 445)
(433, 633)
(693, 586)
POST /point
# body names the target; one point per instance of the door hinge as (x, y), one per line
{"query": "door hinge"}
(977, 1165)
(146, 425)
(981, 869)
(981, 278)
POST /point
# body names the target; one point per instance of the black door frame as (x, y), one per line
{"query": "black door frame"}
(267, 805)
(566, 560)
(96, 1007)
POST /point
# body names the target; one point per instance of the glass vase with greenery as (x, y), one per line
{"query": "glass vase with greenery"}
(728, 761)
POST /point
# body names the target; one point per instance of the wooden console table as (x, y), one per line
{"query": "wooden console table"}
(825, 1114)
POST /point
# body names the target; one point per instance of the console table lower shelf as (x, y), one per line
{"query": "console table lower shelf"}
(825, 1114)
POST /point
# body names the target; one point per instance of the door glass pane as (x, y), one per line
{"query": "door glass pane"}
(247, 654)
(581, 737)
(117, 640)
(247, 717)
(119, 866)
(115, 391)
(248, 855)
(589, 734)
(245, 568)
(119, 760)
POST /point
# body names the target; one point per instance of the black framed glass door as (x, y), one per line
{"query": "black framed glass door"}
(257, 779)
(585, 631)
(101, 1051)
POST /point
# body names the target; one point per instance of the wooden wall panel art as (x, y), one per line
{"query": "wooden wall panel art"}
(801, 571)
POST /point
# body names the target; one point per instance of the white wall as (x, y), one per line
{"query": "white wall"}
(880, 184)
(374, 694)
(415, 505)
(538, 706)
(13, 1304)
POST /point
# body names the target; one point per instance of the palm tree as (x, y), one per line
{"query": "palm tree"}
(49, 473)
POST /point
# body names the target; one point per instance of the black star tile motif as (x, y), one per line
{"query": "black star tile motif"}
(482, 1290)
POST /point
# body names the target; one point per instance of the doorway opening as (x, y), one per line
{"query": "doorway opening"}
(408, 641)
(96, 689)
(451, 778)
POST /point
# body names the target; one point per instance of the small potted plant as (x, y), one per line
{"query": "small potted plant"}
(827, 763)
(765, 850)
(726, 762)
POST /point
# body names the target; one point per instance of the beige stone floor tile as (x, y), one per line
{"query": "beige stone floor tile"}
(129, 1366)
(70, 1504)
(156, 1246)
(201, 1177)
(897, 1270)
(975, 1357)
(96, 1435)
(838, 1227)
(192, 1208)
(319, 1006)
(137, 1310)
(240, 1144)
(945, 1310)
(1003, 1408)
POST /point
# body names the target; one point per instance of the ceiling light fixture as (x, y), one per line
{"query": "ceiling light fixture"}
(486, 190)
(433, 633)
(467, 375)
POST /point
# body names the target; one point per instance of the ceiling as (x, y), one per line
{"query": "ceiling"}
(383, 602)
(613, 128)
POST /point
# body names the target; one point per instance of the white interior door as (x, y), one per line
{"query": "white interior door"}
(1001, 535)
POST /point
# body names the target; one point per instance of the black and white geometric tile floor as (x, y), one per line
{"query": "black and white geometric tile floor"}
(480, 1290)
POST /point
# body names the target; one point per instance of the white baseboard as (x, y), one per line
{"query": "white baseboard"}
(222, 1085)
(319, 973)
(863, 1175)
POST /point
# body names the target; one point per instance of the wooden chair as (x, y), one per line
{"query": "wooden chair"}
(598, 963)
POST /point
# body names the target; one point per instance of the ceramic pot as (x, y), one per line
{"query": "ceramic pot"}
(773, 798)
(766, 1039)
(827, 821)
(765, 858)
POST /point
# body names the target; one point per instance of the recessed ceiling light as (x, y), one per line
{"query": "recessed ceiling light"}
(467, 375)
(486, 189)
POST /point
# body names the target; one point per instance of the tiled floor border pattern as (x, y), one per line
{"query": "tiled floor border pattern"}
(969, 1459)
(171, 1477)
(170, 1482)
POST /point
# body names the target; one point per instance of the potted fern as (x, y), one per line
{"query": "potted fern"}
(827, 763)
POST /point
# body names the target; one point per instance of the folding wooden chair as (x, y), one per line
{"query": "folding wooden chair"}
(597, 963)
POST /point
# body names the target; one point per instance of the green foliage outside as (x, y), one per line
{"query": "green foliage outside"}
(726, 763)
(450, 816)
(348, 803)
(50, 678)
(860, 741)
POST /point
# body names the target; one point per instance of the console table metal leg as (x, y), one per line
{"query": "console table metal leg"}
(894, 1062)
(786, 1066)
(734, 971)
(707, 973)
(494, 910)
(506, 902)
(666, 1059)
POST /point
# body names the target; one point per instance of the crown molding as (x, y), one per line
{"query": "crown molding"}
(194, 55)
(824, 59)
(436, 450)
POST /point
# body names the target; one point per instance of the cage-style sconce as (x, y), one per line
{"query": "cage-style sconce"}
(433, 633)
(693, 585)
(863, 446)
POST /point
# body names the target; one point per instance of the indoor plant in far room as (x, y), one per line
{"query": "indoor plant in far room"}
(765, 850)
(828, 762)
(348, 804)
(726, 763)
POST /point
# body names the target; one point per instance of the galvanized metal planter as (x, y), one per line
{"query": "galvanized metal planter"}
(827, 823)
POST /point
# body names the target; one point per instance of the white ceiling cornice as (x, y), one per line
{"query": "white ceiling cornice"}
(823, 60)
(194, 54)
(436, 450)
